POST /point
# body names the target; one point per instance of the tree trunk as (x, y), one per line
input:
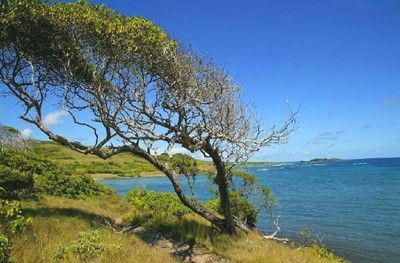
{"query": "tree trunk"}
(195, 207)
(223, 188)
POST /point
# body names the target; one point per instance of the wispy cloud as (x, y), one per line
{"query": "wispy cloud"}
(324, 134)
(327, 137)
(54, 118)
(26, 133)
(391, 101)
(366, 126)
(323, 139)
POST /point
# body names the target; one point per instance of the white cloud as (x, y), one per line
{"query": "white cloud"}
(54, 118)
(391, 101)
(26, 133)
(178, 149)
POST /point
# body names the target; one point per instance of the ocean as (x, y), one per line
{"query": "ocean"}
(353, 206)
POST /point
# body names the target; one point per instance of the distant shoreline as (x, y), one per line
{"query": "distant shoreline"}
(98, 177)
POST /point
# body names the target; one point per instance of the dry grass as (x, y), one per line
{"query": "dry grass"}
(252, 248)
(58, 222)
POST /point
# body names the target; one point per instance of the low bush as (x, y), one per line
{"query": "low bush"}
(157, 202)
(11, 222)
(16, 184)
(310, 242)
(4, 248)
(70, 186)
(240, 206)
(33, 173)
(88, 246)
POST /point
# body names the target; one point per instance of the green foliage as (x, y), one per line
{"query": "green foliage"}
(247, 178)
(181, 163)
(240, 206)
(44, 31)
(323, 252)
(268, 201)
(11, 219)
(250, 188)
(28, 163)
(311, 243)
(50, 179)
(70, 186)
(11, 222)
(123, 164)
(88, 246)
(16, 184)
(4, 249)
(160, 202)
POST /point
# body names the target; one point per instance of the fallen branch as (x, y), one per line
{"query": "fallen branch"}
(277, 229)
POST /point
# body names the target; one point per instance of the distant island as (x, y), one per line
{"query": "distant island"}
(324, 160)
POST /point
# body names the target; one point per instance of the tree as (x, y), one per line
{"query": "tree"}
(141, 89)
(11, 138)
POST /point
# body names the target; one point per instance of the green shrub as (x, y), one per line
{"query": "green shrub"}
(11, 219)
(310, 242)
(240, 206)
(157, 202)
(88, 246)
(11, 222)
(4, 248)
(70, 186)
(16, 184)
(48, 178)
(27, 162)
(181, 163)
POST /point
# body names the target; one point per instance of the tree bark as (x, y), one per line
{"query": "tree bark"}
(223, 187)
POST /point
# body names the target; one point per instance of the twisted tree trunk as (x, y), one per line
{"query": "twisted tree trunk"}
(194, 206)
(223, 187)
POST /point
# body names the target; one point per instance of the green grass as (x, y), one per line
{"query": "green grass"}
(58, 222)
(124, 164)
(76, 228)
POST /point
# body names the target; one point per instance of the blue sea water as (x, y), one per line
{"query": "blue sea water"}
(353, 204)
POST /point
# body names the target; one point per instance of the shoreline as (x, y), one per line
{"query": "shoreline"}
(155, 174)
(98, 177)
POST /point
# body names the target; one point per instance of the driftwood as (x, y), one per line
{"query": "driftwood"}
(272, 236)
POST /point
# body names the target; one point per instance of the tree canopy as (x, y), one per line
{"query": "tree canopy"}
(130, 84)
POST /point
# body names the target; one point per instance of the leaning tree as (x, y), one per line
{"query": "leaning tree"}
(136, 89)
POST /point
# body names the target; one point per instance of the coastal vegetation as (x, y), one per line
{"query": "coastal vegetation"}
(71, 224)
(133, 88)
(121, 165)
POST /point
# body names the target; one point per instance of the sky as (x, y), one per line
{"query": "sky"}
(339, 61)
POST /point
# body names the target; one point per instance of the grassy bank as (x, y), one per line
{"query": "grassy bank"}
(121, 165)
(59, 222)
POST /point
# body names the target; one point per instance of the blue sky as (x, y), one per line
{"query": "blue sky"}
(339, 60)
